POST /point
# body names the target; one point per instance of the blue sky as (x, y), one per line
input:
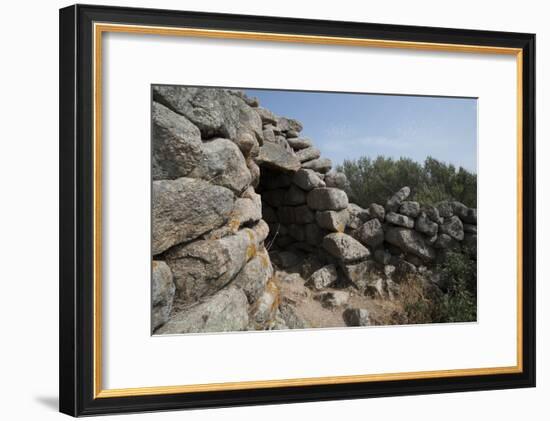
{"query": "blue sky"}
(347, 126)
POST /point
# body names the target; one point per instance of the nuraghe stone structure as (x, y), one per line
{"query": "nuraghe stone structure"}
(238, 193)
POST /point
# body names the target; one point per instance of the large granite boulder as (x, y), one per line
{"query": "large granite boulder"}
(177, 145)
(332, 220)
(203, 267)
(371, 233)
(393, 203)
(453, 227)
(274, 156)
(327, 198)
(185, 208)
(298, 143)
(163, 290)
(254, 276)
(307, 179)
(322, 165)
(400, 220)
(223, 164)
(410, 241)
(226, 311)
(345, 248)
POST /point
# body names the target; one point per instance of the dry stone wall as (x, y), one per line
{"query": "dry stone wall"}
(235, 186)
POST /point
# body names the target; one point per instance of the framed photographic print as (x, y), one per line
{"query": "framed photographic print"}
(262, 210)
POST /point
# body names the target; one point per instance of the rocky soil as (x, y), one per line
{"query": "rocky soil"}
(252, 228)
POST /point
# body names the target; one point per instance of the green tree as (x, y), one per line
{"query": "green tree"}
(375, 180)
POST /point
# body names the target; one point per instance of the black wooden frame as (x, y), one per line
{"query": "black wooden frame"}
(76, 210)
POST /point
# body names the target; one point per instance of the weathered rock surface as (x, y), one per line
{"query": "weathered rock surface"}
(254, 276)
(225, 311)
(322, 165)
(333, 298)
(453, 228)
(177, 145)
(308, 154)
(377, 211)
(393, 204)
(163, 290)
(327, 198)
(345, 248)
(410, 209)
(299, 142)
(276, 157)
(295, 196)
(336, 179)
(223, 164)
(410, 241)
(206, 266)
(332, 220)
(185, 208)
(371, 233)
(400, 220)
(356, 317)
(426, 226)
(323, 277)
(307, 179)
(248, 208)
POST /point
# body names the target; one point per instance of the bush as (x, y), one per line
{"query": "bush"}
(375, 180)
(458, 303)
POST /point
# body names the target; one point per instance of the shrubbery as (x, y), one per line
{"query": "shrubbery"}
(375, 180)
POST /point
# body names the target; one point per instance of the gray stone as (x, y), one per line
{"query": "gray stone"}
(276, 157)
(185, 208)
(287, 259)
(269, 135)
(424, 225)
(303, 215)
(248, 208)
(205, 266)
(471, 216)
(225, 311)
(327, 198)
(400, 220)
(371, 233)
(336, 179)
(432, 213)
(382, 256)
(453, 227)
(254, 172)
(291, 317)
(163, 290)
(323, 277)
(287, 215)
(267, 116)
(289, 124)
(274, 198)
(410, 242)
(322, 165)
(216, 112)
(444, 241)
(460, 210)
(176, 144)
(268, 214)
(377, 211)
(254, 276)
(308, 154)
(299, 142)
(345, 248)
(307, 179)
(358, 273)
(393, 204)
(445, 209)
(333, 298)
(223, 164)
(260, 231)
(332, 220)
(297, 232)
(264, 312)
(472, 229)
(314, 235)
(295, 196)
(409, 208)
(356, 317)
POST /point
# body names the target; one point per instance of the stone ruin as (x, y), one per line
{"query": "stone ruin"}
(239, 196)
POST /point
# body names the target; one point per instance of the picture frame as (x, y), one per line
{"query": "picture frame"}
(81, 317)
